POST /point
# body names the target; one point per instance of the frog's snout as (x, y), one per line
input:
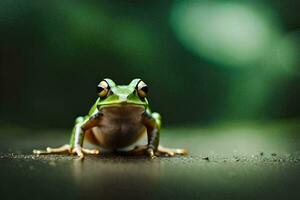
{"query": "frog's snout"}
(123, 98)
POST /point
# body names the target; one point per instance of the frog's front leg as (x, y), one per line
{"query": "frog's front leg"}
(152, 123)
(76, 141)
(152, 149)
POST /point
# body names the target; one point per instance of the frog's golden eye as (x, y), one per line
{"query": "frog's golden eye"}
(103, 89)
(142, 89)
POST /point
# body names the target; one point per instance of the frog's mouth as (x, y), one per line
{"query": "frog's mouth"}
(122, 109)
(123, 104)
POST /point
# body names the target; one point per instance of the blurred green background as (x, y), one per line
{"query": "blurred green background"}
(204, 61)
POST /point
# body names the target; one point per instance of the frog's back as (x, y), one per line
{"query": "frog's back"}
(119, 126)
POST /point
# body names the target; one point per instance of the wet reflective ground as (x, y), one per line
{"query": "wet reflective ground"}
(245, 161)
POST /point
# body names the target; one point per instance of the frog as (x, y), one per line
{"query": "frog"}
(118, 119)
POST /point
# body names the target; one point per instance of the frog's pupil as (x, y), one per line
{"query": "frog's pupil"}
(99, 89)
(145, 89)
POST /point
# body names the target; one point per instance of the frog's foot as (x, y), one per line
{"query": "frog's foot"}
(170, 151)
(80, 151)
(63, 149)
(144, 150)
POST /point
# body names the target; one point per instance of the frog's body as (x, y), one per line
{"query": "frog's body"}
(120, 126)
(118, 119)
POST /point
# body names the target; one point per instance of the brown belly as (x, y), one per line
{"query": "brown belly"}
(119, 127)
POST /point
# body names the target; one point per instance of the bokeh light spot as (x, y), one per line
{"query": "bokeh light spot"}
(230, 34)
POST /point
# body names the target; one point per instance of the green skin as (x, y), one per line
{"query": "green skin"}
(117, 121)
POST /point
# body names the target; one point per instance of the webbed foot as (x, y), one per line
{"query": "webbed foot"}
(80, 151)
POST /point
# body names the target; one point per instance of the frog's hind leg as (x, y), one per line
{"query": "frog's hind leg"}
(65, 149)
(71, 148)
(142, 150)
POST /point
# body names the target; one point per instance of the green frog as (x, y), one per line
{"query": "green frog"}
(118, 119)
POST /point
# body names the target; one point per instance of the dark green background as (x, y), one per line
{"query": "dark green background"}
(53, 53)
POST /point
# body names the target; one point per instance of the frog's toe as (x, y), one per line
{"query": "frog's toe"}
(63, 149)
(91, 151)
(78, 151)
(39, 152)
(171, 151)
(81, 152)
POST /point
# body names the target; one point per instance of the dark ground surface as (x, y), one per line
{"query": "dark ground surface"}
(245, 161)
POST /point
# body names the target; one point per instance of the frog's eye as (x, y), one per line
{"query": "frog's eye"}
(103, 89)
(142, 89)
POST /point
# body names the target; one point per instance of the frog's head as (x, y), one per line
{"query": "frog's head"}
(134, 93)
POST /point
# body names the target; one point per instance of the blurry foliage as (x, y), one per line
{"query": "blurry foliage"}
(53, 53)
